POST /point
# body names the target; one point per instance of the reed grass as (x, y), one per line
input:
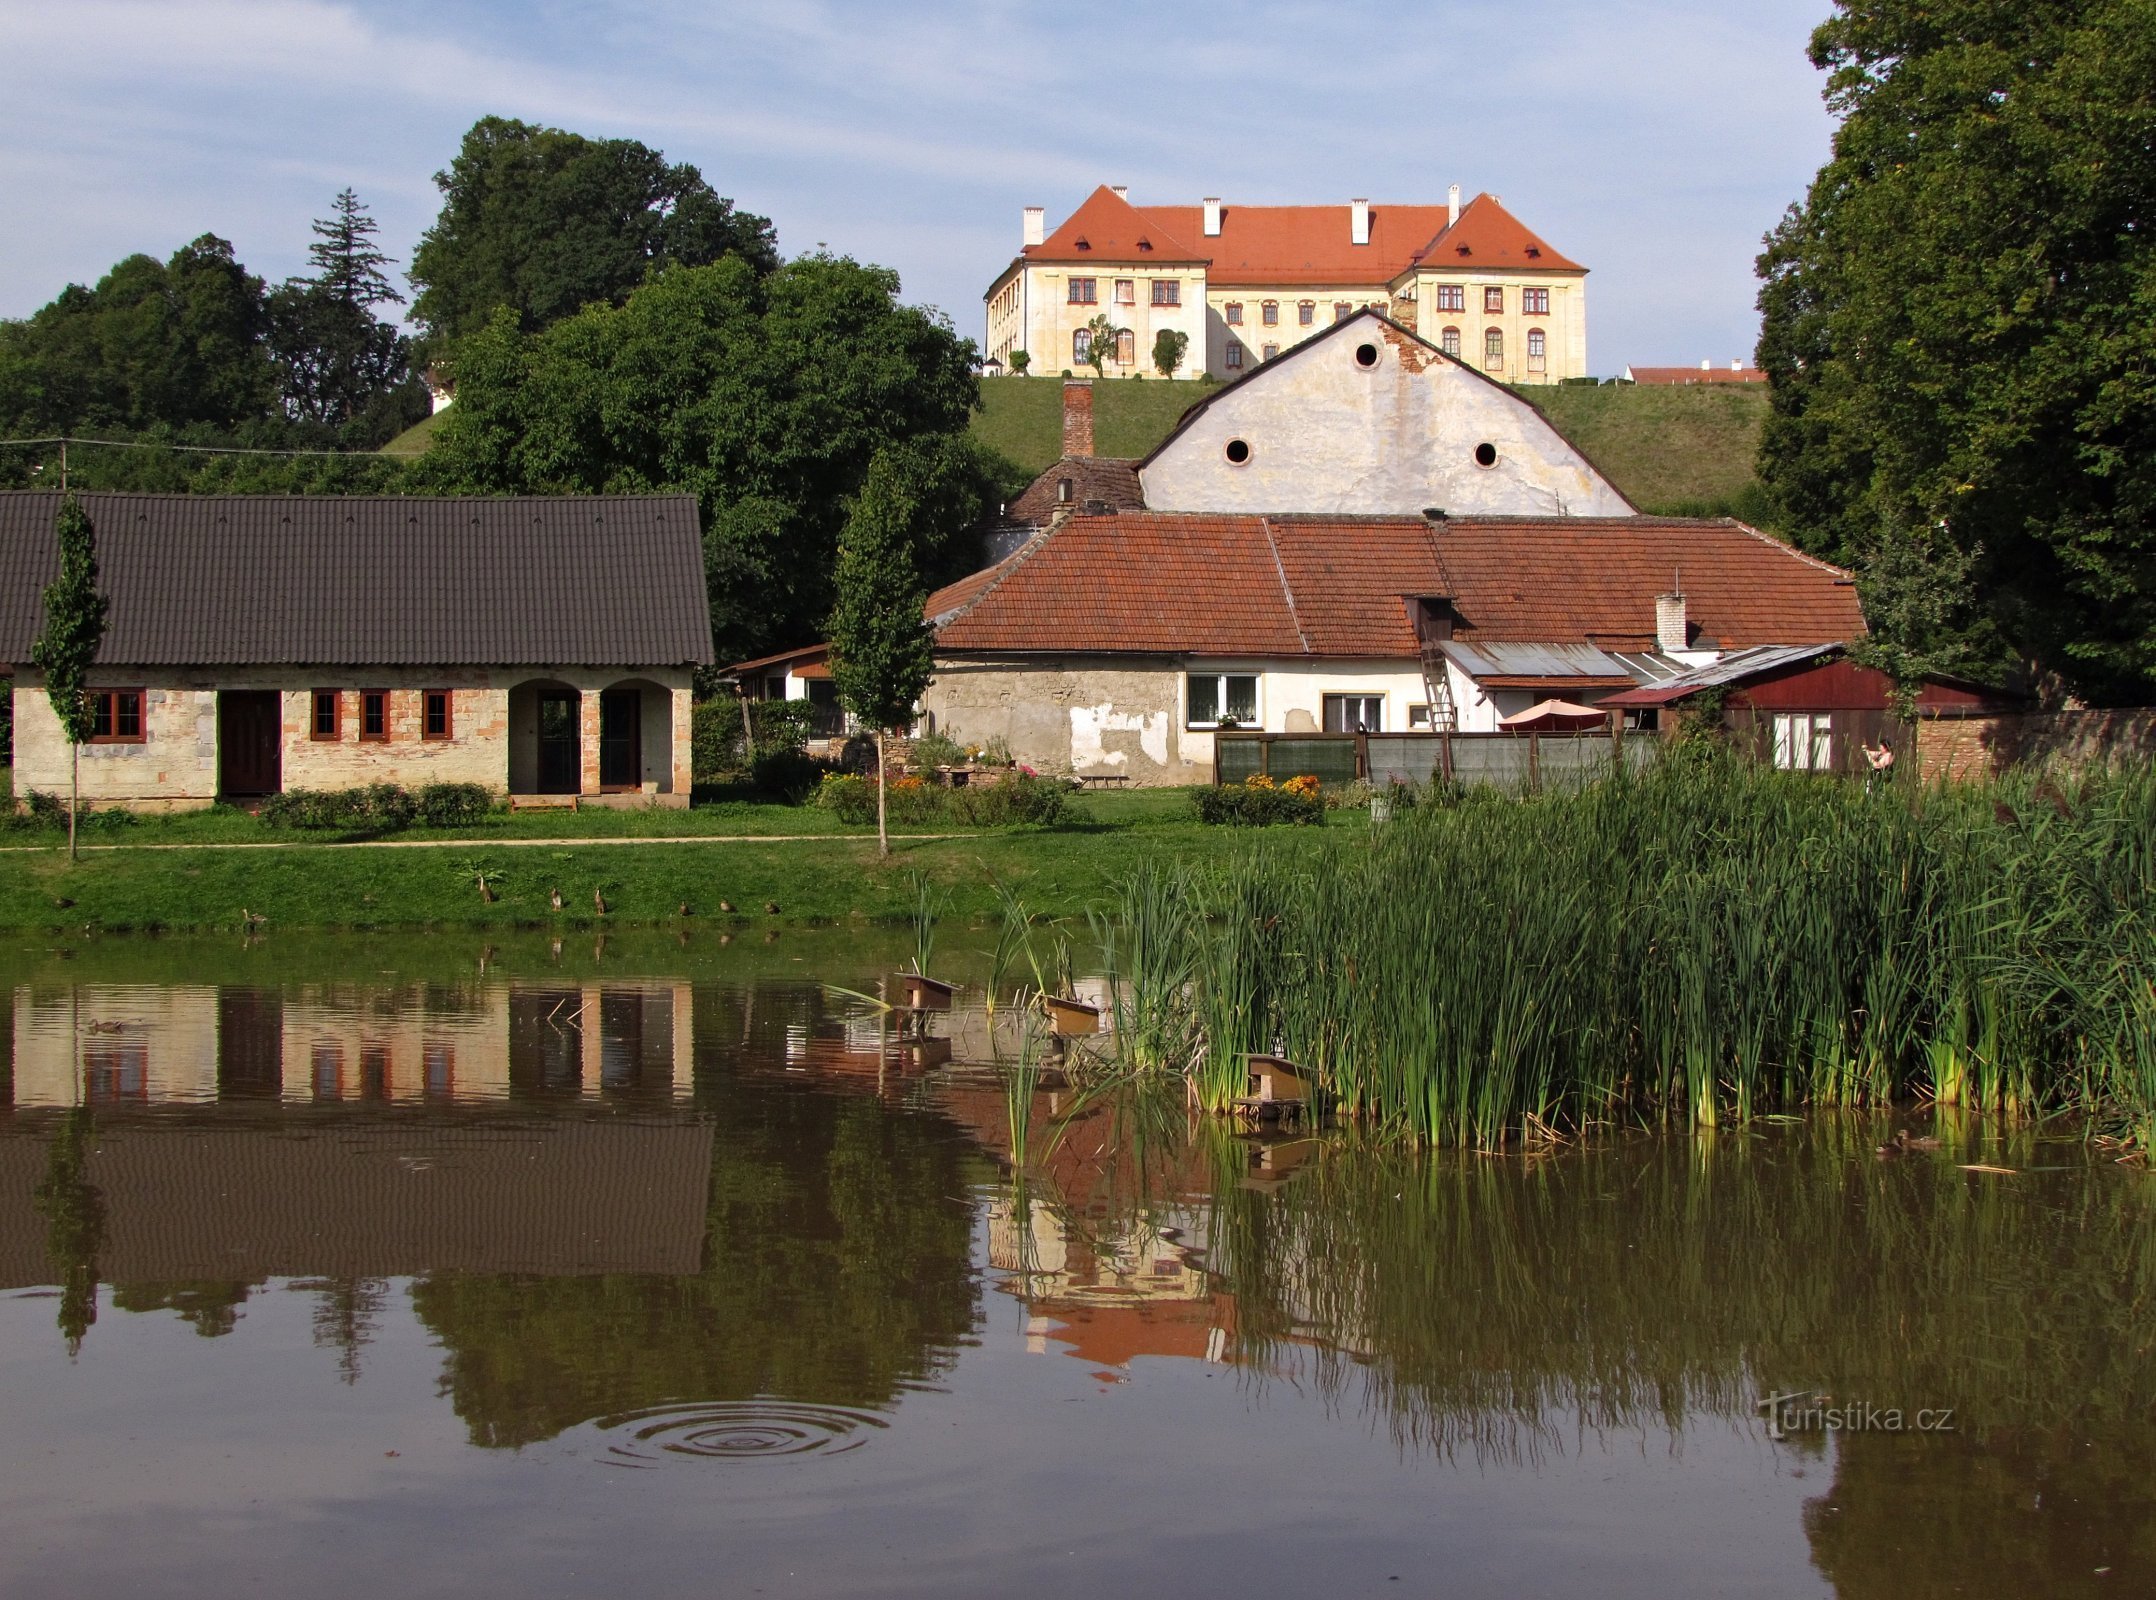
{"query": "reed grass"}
(1703, 944)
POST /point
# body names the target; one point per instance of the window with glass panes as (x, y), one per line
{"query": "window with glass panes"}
(1222, 700)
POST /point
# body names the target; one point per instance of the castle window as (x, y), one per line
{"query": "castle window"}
(1269, 352)
(1084, 291)
(1126, 347)
(1167, 292)
(1537, 351)
(1493, 349)
(1235, 355)
(1449, 342)
(1535, 302)
(1493, 300)
(1343, 309)
(1232, 312)
(1451, 297)
(1306, 312)
(1126, 291)
(1270, 314)
(1081, 347)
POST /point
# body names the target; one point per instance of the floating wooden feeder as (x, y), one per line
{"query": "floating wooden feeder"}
(925, 994)
(1069, 1018)
(924, 1055)
(1274, 1161)
(1275, 1090)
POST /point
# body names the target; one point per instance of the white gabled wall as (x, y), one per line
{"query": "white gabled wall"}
(1329, 434)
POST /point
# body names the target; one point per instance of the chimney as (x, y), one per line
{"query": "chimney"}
(1672, 632)
(1036, 224)
(1736, 366)
(1452, 206)
(1212, 216)
(1120, 190)
(1706, 366)
(1077, 416)
(1358, 221)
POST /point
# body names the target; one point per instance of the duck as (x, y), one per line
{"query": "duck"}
(1905, 1143)
(598, 899)
(554, 898)
(726, 907)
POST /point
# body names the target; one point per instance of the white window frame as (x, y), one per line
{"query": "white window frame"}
(1126, 291)
(1328, 699)
(1804, 741)
(1220, 682)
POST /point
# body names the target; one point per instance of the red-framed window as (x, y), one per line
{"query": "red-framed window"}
(1167, 292)
(1233, 313)
(1235, 355)
(374, 716)
(1084, 291)
(437, 714)
(1270, 313)
(1306, 313)
(1493, 299)
(115, 716)
(325, 716)
(1535, 302)
(1452, 297)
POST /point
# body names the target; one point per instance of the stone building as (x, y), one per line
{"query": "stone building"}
(1246, 283)
(540, 646)
(1119, 643)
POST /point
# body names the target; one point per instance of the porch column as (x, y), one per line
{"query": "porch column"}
(587, 744)
(683, 741)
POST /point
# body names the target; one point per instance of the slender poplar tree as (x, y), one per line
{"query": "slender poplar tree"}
(67, 646)
(880, 643)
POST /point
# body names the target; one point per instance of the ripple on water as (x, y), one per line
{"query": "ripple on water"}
(742, 1430)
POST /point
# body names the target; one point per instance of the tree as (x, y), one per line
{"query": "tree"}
(1101, 335)
(339, 366)
(1168, 348)
(546, 222)
(1956, 329)
(1020, 360)
(67, 646)
(767, 396)
(881, 645)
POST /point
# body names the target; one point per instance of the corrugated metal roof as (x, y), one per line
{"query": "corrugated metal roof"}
(1509, 660)
(271, 580)
(1732, 668)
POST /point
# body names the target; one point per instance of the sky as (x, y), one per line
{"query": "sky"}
(1653, 140)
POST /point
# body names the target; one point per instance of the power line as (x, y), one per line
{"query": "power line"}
(193, 449)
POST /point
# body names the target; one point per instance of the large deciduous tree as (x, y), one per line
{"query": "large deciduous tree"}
(1960, 329)
(546, 222)
(66, 646)
(766, 395)
(880, 643)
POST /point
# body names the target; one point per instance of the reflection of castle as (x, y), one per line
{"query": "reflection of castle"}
(120, 1044)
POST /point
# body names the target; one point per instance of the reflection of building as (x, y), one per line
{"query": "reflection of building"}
(116, 1044)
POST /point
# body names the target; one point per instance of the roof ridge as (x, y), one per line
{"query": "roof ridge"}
(1287, 590)
(1787, 548)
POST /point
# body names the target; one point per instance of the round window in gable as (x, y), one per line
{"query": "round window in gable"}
(1485, 454)
(1238, 452)
(1366, 355)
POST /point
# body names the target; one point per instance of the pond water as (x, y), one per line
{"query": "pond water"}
(419, 1267)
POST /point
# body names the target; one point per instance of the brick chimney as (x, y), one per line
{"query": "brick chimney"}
(1077, 416)
(1212, 216)
(1358, 222)
(1672, 629)
(1036, 224)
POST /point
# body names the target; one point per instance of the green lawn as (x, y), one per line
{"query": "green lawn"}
(413, 441)
(1022, 418)
(1060, 871)
(1683, 450)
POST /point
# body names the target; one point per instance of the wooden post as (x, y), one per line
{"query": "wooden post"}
(1534, 762)
(1617, 742)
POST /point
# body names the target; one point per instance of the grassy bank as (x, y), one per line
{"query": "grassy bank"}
(304, 884)
(1710, 943)
(1685, 450)
(1022, 418)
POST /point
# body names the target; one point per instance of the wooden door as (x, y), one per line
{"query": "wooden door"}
(621, 745)
(249, 743)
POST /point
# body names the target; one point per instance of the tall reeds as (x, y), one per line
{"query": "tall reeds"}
(1706, 943)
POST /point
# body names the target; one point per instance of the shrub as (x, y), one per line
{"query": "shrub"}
(40, 810)
(788, 775)
(454, 805)
(933, 750)
(777, 727)
(1258, 802)
(1020, 798)
(379, 807)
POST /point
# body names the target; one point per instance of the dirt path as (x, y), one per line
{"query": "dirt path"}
(488, 844)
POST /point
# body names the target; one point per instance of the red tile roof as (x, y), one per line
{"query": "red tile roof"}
(1192, 584)
(1110, 478)
(1296, 245)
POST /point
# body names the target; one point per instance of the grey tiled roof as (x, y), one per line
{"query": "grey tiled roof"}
(230, 580)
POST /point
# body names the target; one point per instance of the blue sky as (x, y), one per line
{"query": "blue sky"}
(1655, 140)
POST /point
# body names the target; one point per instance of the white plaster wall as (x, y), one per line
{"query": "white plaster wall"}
(1329, 435)
(1052, 320)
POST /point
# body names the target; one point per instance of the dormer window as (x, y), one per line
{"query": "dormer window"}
(1082, 243)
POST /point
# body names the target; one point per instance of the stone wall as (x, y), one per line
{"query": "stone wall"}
(175, 765)
(1975, 747)
(1076, 715)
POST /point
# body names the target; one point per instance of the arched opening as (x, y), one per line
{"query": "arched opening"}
(636, 738)
(546, 738)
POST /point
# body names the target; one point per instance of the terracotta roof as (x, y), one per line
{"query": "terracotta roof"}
(1675, 375)
(1107, 227)
(1108, 478)
(275, 580)
(1195, 584)
(1295, 245)
(1487, 235)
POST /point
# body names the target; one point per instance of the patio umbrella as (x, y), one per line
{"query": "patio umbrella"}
(1555, 716)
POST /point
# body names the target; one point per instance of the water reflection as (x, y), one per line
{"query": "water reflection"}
(656, 1222)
